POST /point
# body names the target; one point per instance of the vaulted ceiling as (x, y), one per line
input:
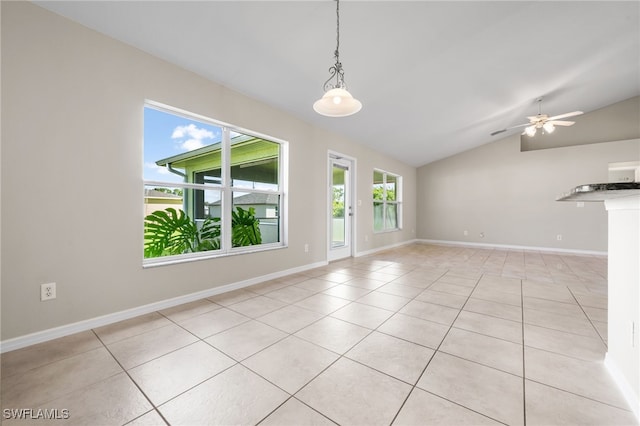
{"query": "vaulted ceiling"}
(435, 77)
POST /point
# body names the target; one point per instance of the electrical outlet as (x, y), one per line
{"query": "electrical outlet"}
(47, 291)
(466, 232)
(306, 248)
(559, 237)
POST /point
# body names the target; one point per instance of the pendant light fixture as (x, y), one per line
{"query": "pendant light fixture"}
(337, 101)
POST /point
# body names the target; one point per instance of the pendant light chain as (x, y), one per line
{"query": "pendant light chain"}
(337, 101)
(337, 52)
(336, 70)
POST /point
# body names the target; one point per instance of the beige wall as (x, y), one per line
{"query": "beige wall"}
(510, 195)
(72, 106)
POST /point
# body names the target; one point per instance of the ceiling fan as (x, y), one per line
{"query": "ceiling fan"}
(542, 121)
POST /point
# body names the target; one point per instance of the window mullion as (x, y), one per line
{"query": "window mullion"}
(283, 188)
(226, 190)
(384, 201)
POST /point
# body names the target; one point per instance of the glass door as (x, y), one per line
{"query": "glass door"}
(340, 209)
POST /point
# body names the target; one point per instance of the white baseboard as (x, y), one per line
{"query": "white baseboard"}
(514, 247)
(627, 391)
(65, 330)
(379, 249)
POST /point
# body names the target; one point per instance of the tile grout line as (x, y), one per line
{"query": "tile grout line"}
(199, 339)
(134, 383)
(340, 356)
(293, 335)
(437, 350)
(220, 372)
(581, 396)
(287, 400)
(589, 319)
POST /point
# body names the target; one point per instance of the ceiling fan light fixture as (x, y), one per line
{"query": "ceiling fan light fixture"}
(548, 127)
(542, 121)
(337, 101)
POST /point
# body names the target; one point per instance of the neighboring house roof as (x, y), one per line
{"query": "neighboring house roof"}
(205, 150)
(154, 193)
(253, 199)
(252, 159)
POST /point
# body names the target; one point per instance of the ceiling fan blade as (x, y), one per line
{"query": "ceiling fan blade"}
(497, 132)
(561, 123)
(540, 119)
(569, 114)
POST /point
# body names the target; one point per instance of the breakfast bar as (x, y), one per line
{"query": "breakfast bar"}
(622, 201)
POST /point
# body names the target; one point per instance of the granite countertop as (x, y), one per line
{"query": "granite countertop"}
(601, 191)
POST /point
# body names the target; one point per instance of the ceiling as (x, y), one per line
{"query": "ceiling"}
(435, 78)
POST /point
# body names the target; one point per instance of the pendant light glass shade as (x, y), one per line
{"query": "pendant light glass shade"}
(337, 102)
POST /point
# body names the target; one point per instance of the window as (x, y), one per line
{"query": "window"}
(387, 201)
(210, 189)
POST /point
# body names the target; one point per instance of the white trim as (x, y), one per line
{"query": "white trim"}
(76, 327)
(623, 385)
(383, 248)
(630, 202)
(283, 181)
(513, 247)
(351, 164)
(153, 262)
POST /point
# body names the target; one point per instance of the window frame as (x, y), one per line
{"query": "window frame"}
(386, 202)
(226, 190)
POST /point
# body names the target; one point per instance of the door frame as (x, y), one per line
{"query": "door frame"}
(350, 250)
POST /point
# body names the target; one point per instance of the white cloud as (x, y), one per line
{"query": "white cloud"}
(191, 144)
(178, 132)
(195, 135)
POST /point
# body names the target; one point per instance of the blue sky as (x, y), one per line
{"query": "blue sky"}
(166, 135)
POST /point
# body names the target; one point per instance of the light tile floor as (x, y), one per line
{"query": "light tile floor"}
(419, 335)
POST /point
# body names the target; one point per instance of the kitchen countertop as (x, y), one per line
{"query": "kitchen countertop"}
(601, 191)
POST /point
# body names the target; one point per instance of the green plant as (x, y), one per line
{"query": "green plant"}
(245, 230)
(170, 232)
(175, 191)
(378, 193)
(338, 202)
